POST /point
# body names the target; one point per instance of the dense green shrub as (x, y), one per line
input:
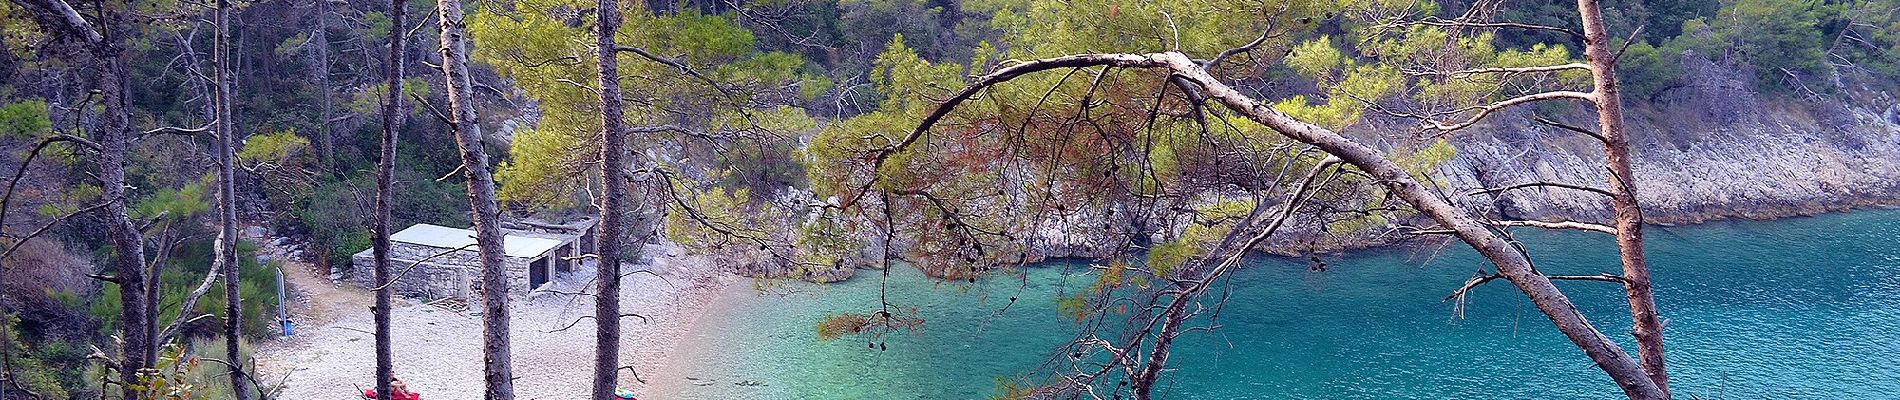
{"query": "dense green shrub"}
(53, 368)
(337, 214)
(184, 271)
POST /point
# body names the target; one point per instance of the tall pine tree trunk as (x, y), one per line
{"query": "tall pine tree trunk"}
(497, 368)
(114, 136)
(385, 171)
(1647, 325)
(613, 181)
(321, 38)
(226, 251)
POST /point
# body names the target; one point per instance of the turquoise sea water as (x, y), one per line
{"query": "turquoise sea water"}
(1796, 308)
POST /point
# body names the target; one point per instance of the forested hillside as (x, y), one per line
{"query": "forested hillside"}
(151, 147)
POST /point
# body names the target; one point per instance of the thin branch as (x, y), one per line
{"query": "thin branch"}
(1515, 266)
(1539, 184)
(1486, 110)
(432, 110)
(1483, 277)
(984, 82)
(577, 321)
(1264, 35)
(689, 71)
(1598, 277)
(1467, 24)
(6, 200)
(1504, 70)
(49, 225)
(1584, 226)
(173, 130)
(172, 330)
(1626, 44)
(1573, 128)
(68, 16)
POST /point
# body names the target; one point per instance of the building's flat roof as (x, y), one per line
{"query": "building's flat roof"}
(454, 238)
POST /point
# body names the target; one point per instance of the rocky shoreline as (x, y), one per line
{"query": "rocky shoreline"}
(1697, 160)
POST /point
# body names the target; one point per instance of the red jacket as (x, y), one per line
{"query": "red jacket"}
(398, 395)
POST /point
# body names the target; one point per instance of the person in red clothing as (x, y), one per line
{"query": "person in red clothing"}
(397, 391)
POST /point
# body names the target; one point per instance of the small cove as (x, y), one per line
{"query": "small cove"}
(1794, 308)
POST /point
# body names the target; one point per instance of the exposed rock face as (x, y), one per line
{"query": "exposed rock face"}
(1703, 152)
(1713, 148)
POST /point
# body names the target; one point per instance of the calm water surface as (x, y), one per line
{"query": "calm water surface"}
(1795, 308)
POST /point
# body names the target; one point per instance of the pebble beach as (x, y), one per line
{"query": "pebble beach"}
(437, 348)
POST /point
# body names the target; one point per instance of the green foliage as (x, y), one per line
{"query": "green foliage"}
(35, 369)
(1074, 307)
(1422, 161)
(1868, 36)
(1037, 29)
(212, 383)
(184, 271)
(904, 82)
(716, 208)
(1646, 70)
(872, 324)
(177, 204)
(335, 213)
(1316, 58)
(369, 101)
(24, 119)
(71, 200)
(175, 375)
(293, 45)
(1776, 37)
(1165, 257)
(544, 55)
(256, 287)
(275, 147)
(1007, 389)
(375, 24)
(106, 308)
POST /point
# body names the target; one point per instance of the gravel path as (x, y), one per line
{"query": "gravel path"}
(438, 351)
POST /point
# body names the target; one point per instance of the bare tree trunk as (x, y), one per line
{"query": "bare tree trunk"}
(1646, 324)
(321, 38)
(226, 251)
(385, 171)
(125, 237)
(613, 181)
(497, 368)
(154, 266)
(103, 41)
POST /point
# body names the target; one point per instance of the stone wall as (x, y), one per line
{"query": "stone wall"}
(452, 275)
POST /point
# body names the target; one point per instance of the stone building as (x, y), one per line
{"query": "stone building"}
(447, 262)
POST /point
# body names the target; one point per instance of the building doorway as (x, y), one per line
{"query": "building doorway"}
(537, 273)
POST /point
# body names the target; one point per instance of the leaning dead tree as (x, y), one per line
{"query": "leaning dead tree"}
(1141, 355)
(1512, 264)
(497, 367)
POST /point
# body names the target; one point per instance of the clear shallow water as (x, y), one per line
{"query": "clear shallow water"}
(1796, 308)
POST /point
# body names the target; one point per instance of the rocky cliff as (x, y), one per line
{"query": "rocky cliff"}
(1708, 149)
